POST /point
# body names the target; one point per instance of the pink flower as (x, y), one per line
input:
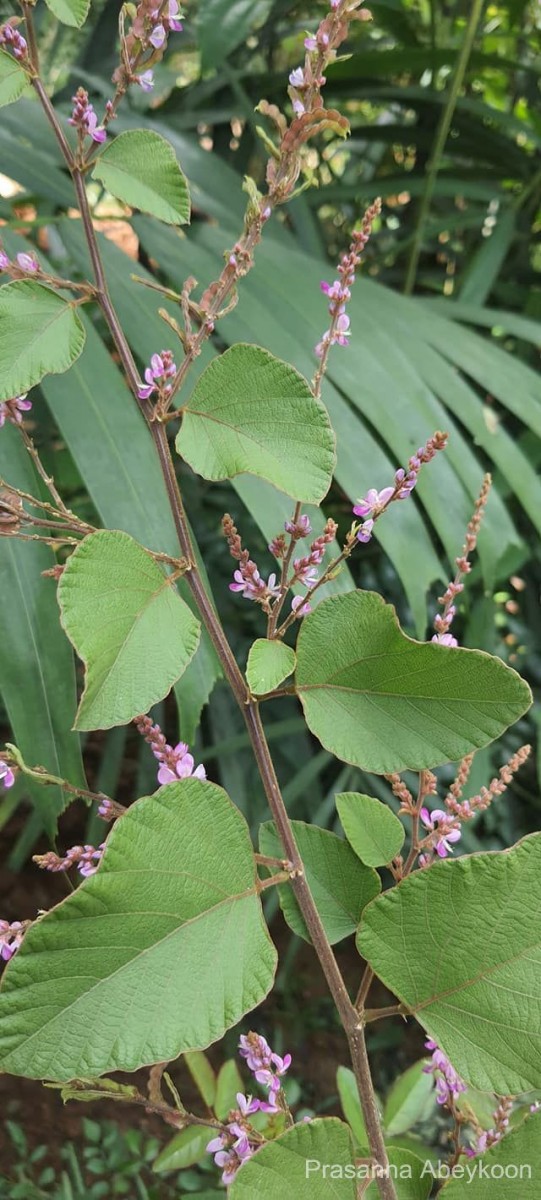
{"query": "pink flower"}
(300, 606)
(162, 368)
(310, 43)
(5, 262)
(146, 80)
(374, 501)
(364, 534)
(181, 766)
(445, 639)
(441, 823)
(11, 936)
(157, 37)
(7, 777)
(84, 118)
(449, 1085)
(296, 77)
(27, 262)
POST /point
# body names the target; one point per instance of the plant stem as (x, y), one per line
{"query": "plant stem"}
(248, 705)
(440, 141)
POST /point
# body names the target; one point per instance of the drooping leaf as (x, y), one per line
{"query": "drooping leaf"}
(269, 663)
(372, 829)
(129, 625)
(251, 412)
(340, 884)
(510, 1167)
(184, 1150)
(202, 1074)
(292, 1165)
(384, 702)
(141, 169)
(70, 12)
(411, 1099)
(158, 953)
(229, 1082)
(460, 945)
(37, 676)
(13, 79)
(351, 1105)
(40, 334)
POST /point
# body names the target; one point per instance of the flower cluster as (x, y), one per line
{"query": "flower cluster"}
(320, 41)
(149, 31)
(12, 40)
(27, 263)
(444, 830)
(85, 858)
(239, 1140)
(489, 1137)
(164, 22)
(339, 292)
(464, 810)
(247, 578)
(444, 620)
(371, 506)
(84, 119)
(12, 410)
(162, 367)
(176, 762)
(304, 569)
(449, 1085)
(7, 777)
(109, 810)
(11, 936)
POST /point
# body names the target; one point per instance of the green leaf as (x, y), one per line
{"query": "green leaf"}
(516, 1158)
(351, 1105)
(37, 674)
(374, 832)
(252, 412)
(128, 624)
(202, 1074)
(184, 1150)
(460, 945)
(107, 416)
(411, 1178)
(269, 663)
(141, 169)
(229, 1082)
(13, 80)
(411, 1099)
(340, 884)
(70, 12)
(158, 953)
(384, 702)
(40, 334)
(292, 1165)
(225, 24)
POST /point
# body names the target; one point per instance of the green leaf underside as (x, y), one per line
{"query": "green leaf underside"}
(373, 831)
(281, 1168)
(13, 80)
(251, 412)
(269, 663)
(140, 168)
(184, 1150)
(158, 953)
(128, 624)
(383, 702)
(70, 12)
(340, 884)
(40, 334)
(506, 1168)
(460, 945)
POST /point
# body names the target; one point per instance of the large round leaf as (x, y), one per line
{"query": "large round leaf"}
(293, 1165)
(129, 625)
(160, 952)
(252, 412)
(460, 944)
(140, 168)
(511, 1168)
(378, 699)
(40, 334)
